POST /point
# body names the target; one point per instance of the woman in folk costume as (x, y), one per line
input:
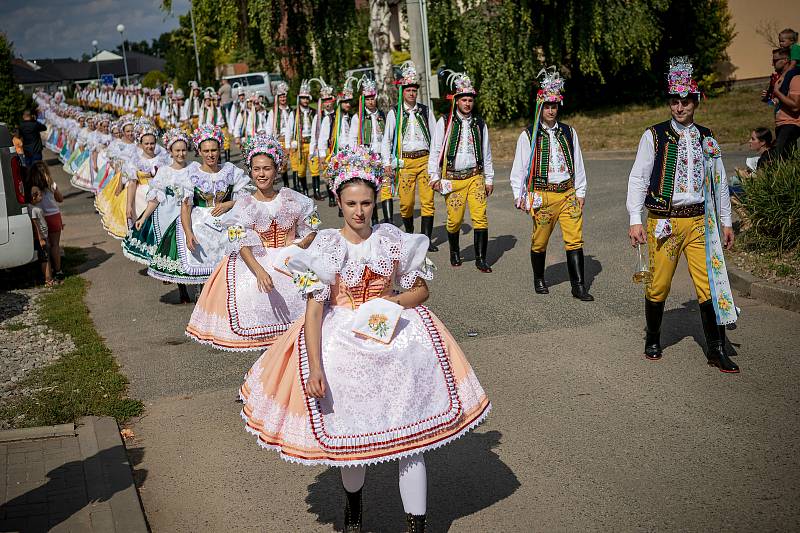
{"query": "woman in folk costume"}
(81, 149)
(112, 201)
(549, 182)
(368, 375)
(84, 176)
(141, 241)
(461, 168)
(280, 122)
(679, 177)
(366, 129)
(211, 192)
(105, 158)
(246, 303)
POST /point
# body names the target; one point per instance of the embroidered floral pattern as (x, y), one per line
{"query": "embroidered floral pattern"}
(455, 200)
(306, 281)
(236, 233)
(689, 169)
(543, 216)
(379, 324)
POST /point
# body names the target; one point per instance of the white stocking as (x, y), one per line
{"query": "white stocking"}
(353, 477)
(414, 484)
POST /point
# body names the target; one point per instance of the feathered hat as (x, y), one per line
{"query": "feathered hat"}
(263, 144)
(305, 89)
(208, 132)
(461, 84)
(551, 84)
(679, 77)
(281, 88)
(408, 75)
(209, 93)
(368, 86)
(347, 88)
(174, 135)
(325, 91)
(354, 162)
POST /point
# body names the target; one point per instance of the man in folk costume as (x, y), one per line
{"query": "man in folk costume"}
(212, 115)
(679, 177)
(549, 182)
(305, 130)
(238, 106)
(279, 125)
(252, 121)
(178, 116)
(193, 104)
(334, 133)
(461, 168)
(366, 129)
(405, 150)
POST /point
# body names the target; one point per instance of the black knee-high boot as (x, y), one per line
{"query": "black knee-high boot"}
(304, 186)
(426, 228)
(331, 196)
(184, 294)
(294, 182)
(481, 242)
(455, 249)
(575, 267)
(387, 208)
(653, 313)
(285, 179)
(715, 340)
(352, 511)
(315, 186)
(537, 263)
(408, 224)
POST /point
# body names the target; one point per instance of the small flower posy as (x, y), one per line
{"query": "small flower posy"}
(354, 162)
(551, 84)
(208, 132)
(679, 77)
(379, 324)
(263, 144)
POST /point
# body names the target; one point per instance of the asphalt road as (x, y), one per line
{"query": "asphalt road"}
(585, 434)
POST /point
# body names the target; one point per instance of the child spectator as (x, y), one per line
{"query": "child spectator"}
(39, 223)
(39, 176)
(788, 39)
(18, 146)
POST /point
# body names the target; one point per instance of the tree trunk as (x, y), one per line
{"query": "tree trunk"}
(379, 19)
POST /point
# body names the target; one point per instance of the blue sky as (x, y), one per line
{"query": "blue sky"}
(66, 28)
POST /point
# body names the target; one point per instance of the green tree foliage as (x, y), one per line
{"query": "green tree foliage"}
(12, 100)
(154, 78)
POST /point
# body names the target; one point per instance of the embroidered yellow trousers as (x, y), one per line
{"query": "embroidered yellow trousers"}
(413, 176)
(561, 207)
(687, 238)
(302, 163)
(469, 192)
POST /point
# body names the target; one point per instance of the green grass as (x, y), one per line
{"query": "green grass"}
(83, 382)
(731, 116)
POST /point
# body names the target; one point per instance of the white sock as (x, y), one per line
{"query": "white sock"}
(353, 477)
(414, 484)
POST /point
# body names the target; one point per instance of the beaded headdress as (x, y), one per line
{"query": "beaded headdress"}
(461, 84)
(174, 135)
(368, 86)
(347, 88)
(551, 84)
(281, 88)
(209, 93)
(354, 162)
(126, 120)
(325, 90)
(145, 129)
(263, 144)
(208, 132)
(408, 75)
(679, 77)
(305, 89)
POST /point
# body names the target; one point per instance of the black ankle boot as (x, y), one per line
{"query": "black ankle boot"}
(184, 294)
(426, 228)
(455, 249)
(315, 185)
(415, 523)
(304, 186)
(386, 207)
(294, 182)
(352, 511)
(331, 196)
(537, 263)
(408, 224)
(481, 242)
(575, 267)
(715, 340)
(653, 312)
(374, 217)
(285, 179)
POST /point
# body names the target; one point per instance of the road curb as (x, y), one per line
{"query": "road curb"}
(772, 293)
(43, 432)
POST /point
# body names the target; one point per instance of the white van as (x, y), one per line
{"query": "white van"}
(16, 231)
(256, 83)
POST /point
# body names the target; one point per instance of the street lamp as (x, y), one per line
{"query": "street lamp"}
(121, 29)
(97, 63)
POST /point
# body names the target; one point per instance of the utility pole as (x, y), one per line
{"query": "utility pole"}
(420, 50)
(194, 37)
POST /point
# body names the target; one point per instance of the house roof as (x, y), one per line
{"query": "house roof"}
(24, 75)
(104, 55)
(67, 69)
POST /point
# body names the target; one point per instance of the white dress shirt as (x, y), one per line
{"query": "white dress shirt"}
(414, 138)
(557, 171)
(286, 126)
(377, 134)
(326, 131)
(688, 185)
(465, 156)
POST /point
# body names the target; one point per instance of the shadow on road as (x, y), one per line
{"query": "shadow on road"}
(558, 273)
(464, 477)
(683, 322)
(94, 257)
(69, 488)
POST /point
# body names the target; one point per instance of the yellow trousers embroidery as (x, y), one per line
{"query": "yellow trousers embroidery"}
(688, 238)
(472, 192)
(301, 162)
(413, 175)
(386, 189)
(561, 207)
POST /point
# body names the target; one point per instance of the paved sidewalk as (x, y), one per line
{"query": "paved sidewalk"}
(68, 478)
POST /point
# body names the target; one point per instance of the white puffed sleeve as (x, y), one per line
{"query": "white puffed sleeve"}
(241, 184)
(413, 261)
(240, 222)
(158, 186)
(309, 220)
(314, 269)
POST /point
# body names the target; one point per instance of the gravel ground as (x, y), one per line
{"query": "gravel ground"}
(25, 342)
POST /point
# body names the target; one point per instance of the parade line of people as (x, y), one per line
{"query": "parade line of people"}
(355, 369)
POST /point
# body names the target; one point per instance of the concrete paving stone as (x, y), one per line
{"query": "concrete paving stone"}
(16, 458)
(25, 446)
(102, 518)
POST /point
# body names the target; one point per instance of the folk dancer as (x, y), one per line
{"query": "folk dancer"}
(279, 125)
(366, 129)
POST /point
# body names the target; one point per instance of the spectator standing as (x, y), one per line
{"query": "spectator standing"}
(40, 242)
(225, 97)
(787, 104)
(51, 197)
(17, 140)
(30, 130)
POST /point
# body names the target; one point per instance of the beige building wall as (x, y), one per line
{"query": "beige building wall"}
(749, 51)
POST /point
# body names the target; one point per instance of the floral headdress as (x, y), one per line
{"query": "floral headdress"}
(208, 132)
(354, 162)
(461, 84)
(551, 84)
(145, 129)
(281, 88)
(368, 86)
(408, 75)
(126, 120)
(263, 144)
(174, 135)
(679, 77)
